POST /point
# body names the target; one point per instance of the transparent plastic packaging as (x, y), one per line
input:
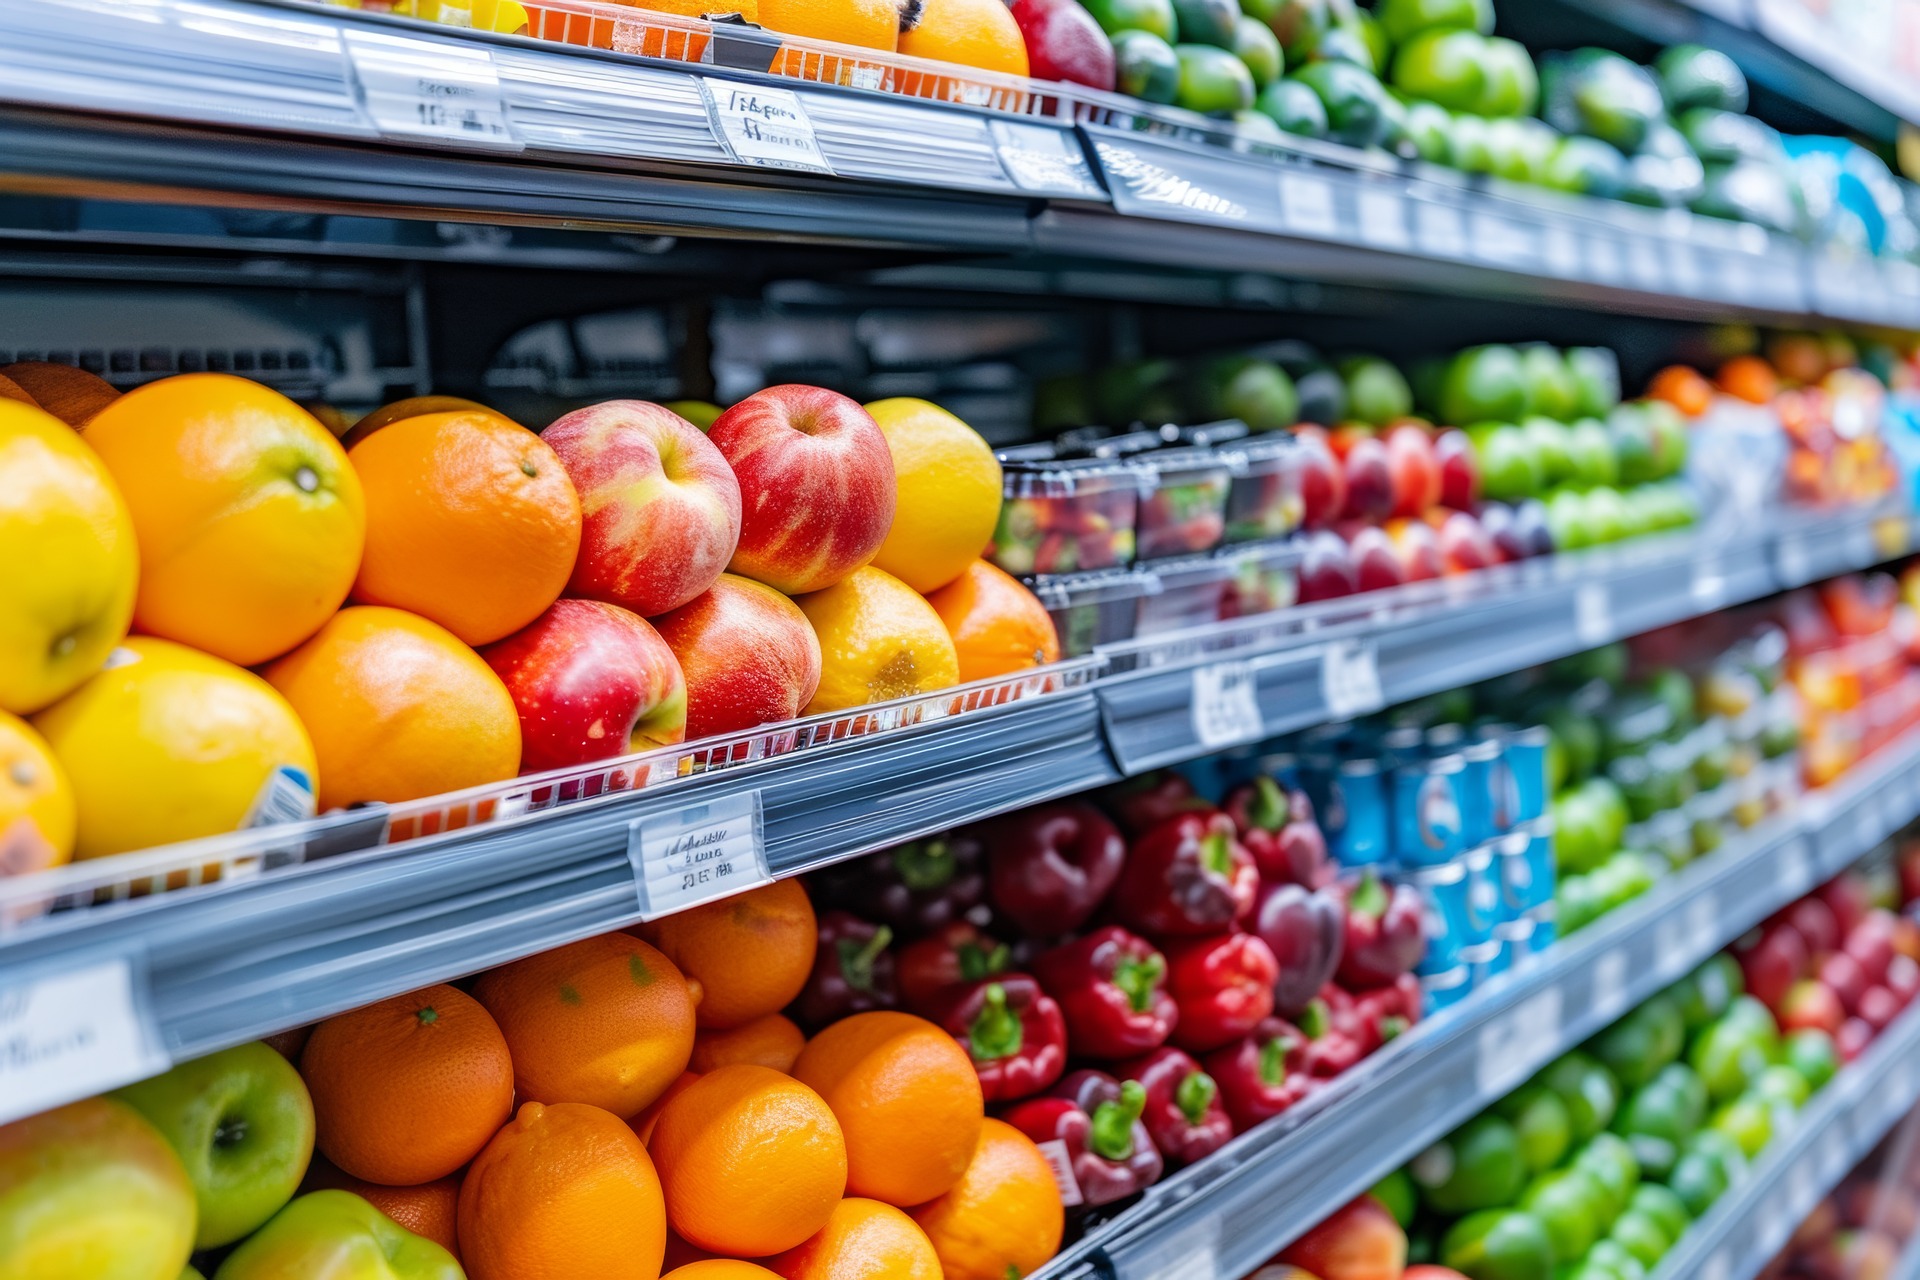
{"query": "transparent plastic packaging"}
(1094, 609)
(1065, 515)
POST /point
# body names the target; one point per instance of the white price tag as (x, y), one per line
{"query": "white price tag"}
(687, 856)
(73, 1033)
(764, 126)
(1350, 679)
(1683, 268)
(1609, 984)
(1709, 587)
(431, 90)
(1645, 259)
(1226, 705)
(1603, 260)
(1306, 206)
(1039, 159)
(1440, 230)
(1193, 1254)
(1512, 1045)
(1592, 615)
(1498, 241)
(1717, 1267)
(1383, 219)
(1561, 249)
(1796, 562)
(1055, 1152)
(1796, 868)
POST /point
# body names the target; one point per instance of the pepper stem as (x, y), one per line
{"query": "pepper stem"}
(1369, 898)
(1269, 808)
(1216, 853)
(1111, 1136)
(976, 962)
(925, 865)
(1139, 977)
(1273, 1061)
(858, 958)
(1392, 1027)
(1315, 1021)
(996, 1032)
(1194, 1096)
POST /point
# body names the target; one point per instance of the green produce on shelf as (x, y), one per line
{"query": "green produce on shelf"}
(1477, 1166)
(1482, 384)
(1377, 392)
(1259, 49)
(1639, 1045)
(1552, 448)
(1811, 1053)
(1586, 166)
(1401, 20)
(1429, 130)
(1499, 1244)
(1610, 1259)
(1601, 95)
(1354, 101)
(1512, 83)
(1726, 137)
(1210, 22)
(1443, 65)
(1553, 391)
(1146, 67)
(1733, 1050)
(1212, 80)
(1153, 16)
(1571, 1205)
(1641, 1235)
(1663, 1206)
(1693, 75)
(1294, 108)
(1706, 993)
(1541, 1123)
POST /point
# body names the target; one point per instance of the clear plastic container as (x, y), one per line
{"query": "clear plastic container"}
(1091, 609)
(1184, 510)
(1264, 499)
(1266, 578)
(1065, 515)
(1193, 592)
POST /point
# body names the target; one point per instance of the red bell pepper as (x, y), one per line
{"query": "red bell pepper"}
(1306, 931)
(1278, 829)
(1187, 876)
(926, 884)
(1096, 1119)
(1013, 1032)
(1386, 1012)
(956, 955)
(1184, 1114)
(1223, 987)
(1111, 987)
(1264, 1074)
(1384, 938)
(1050, 867)
(1143, 803)
(852, 971)
(1334, 1034)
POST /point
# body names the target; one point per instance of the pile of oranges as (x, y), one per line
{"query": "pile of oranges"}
(220, 615)
(631, 1105)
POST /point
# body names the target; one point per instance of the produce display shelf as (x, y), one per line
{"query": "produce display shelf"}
(1832, 1134)
(1222, 1218)
(249, 102)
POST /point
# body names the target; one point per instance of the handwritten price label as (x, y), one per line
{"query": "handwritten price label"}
(71, 1033)
(1226, 705)
(430, 90)
(1306, 205)
(764, 126)
(687, 856)
(1513, 1045)
(1592, 615)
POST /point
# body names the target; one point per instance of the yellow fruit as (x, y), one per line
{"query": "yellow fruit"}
(879, 639)
(71, 564)
(36, 802)
(948, 483)
(168, 744)
(973, 33)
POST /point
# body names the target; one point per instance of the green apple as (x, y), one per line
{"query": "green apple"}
(1748, 1121)
(242, 1124)
(701, 413)
(1607, 514)
(1553, 445)
(90, 1190)
(335, 1235)
(1509, 464)
(1567, 520)
(193, 1273)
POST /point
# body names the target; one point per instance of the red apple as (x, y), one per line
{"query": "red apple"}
(1906, 938)
(591, 681)
(1323, 485)
(659, 506)
(1376, 565)
(1774, 962)
(1853, 1039)
(1064, 43)
(1361, 1239)
(1466, 545)
(1871, 942)
(1847, 895)
(816, 486)
(1903, 979)
(1418, 547)
(1326, 569)
(1811, 1004)
(1909, 860)
(1459, 469)
(749, 654)
(1813, 920)
(1848, 980)
(1878, 1007)
(1415, 470)
(1363, 458)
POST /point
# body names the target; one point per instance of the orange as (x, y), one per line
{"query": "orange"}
(398, 708)
(751, 953)
(752, 1162)
(720, 1269)
(1749, 378)
(772, 1041)
(168, 744)
(870, 24)
(89, 1191)
(642, 1123)
(879, 639)
(426, 1210)
(411, 407)
(863, 1240)
(408, 1090)
(945, 474)
(1800, 358)
(1685, 389)
(562, 1193)
(606, 1020)
(1004, 1218)
(907, 1098)
(36, 803)
(69, 394)
(973, 33)
(249, 519)
(471, 521)
(998, 626)
(66, 540)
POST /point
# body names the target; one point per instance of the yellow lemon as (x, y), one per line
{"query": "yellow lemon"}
(948, 483)
(879, 639)
(168, 744)
(36, 802)
(71, 564)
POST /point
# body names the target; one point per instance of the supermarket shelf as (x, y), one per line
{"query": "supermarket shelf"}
(1223, 1218)
(1831, 1135)
(290, 107)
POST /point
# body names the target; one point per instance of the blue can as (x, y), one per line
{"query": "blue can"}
(1546, 927)
(1404, 745)
(1487, 961)
(1426, 811)
(1349, 798)
(1516, 939)
(1524, 863)
(1481, 814)
(1484, 908)
(1443, 739)
(1444, 990)
(1526, 758)
(1446, 913)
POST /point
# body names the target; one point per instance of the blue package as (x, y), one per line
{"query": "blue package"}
(1484, 906)
(1445, 989)
(1426, 811)
(1445, 911)
(1349, 799)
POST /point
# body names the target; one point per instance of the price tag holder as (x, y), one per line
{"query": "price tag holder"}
(764, 126)
(68, 1033)
(1609, 993)
(1592, 615)
(1061, 1164)
(1306, 206)
(1226, 705)
(1795, 561)
(1511, 1046)
(1561, 249)
(690, 855)
(1440, 230)
(1709, 586)
(1383, 220)
(1603, 260)
(431, 90)
(1350, 679)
